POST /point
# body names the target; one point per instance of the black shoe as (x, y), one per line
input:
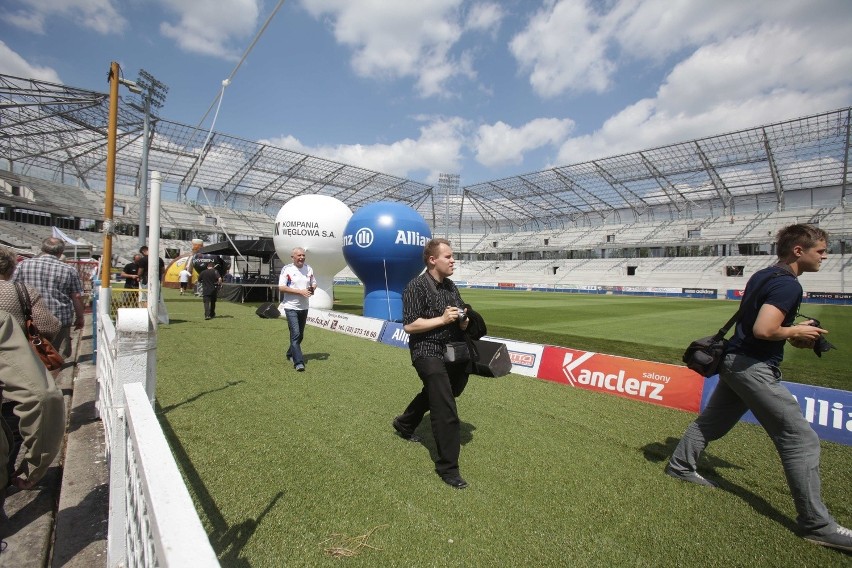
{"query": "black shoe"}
(411, 437)
(455, 481)
(206, 317)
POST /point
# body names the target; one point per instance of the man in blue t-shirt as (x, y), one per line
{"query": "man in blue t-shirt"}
(749, 379)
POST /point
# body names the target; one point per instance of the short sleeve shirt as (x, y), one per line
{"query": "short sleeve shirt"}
(420, 301)
(131, 268)
(56, 281)
(143, 275)
(299, 278)
(778, 288)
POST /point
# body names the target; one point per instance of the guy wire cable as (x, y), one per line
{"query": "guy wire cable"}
(225, 83)
(222, 224)
(387, 289)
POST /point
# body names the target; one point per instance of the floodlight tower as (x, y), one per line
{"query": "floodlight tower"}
(153, 94)
(447, 183)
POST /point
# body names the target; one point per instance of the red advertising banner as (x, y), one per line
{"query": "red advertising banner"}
(657, 383)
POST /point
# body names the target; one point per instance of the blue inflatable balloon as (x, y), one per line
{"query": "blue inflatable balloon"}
(383, 245)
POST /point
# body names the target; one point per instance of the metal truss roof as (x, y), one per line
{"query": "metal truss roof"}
(764, 162)
(59, 132)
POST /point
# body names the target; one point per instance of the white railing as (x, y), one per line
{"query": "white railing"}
(152, 521)
(163, 528)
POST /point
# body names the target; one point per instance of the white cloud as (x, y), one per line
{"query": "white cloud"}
(210, 27)
(755, 64)
(499, 144)
(727, 65)
(392, 40)
(98, 15)
(484, 16)
(13, 64)
(437, 150)
(563, 51)
(656, 28)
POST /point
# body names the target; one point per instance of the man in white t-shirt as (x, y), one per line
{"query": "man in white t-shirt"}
(297, 283)
(184, 278)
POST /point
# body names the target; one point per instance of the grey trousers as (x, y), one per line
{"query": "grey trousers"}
(749, 384)
(62, 341)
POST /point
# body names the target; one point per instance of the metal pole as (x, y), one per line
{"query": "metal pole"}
(143, 181)
(447, 212)
(109, 200)
(154, 256)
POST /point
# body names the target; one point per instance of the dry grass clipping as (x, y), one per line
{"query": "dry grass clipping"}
(342, 546)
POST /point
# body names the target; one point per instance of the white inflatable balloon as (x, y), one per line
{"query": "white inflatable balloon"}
(314, 223)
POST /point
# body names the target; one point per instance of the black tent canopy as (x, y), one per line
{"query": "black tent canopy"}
(262, 247)
(250, 285)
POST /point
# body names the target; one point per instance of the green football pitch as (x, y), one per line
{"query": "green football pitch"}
(298, 469)
(650, 328)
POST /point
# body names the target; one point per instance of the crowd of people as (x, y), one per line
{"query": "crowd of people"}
(33, 417)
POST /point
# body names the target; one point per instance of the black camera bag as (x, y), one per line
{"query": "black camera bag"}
(704, 355)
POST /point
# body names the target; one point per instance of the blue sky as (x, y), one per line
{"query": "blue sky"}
(483, 89)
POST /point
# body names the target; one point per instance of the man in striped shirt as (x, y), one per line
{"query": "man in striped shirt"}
(432, 316)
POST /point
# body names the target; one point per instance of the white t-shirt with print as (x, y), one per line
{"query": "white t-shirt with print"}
(299, 278)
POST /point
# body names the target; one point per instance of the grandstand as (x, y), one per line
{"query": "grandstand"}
(695, 214)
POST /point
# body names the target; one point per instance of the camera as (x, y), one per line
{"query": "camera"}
(821, 344)
(462, 315)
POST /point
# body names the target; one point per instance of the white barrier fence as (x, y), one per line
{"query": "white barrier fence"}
(152, 520)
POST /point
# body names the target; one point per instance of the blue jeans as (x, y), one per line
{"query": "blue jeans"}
(749, 384)
(296, 320)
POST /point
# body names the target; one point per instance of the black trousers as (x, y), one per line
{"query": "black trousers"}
(210, 306)
(442, 383)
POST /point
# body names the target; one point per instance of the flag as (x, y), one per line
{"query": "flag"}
(60, 235)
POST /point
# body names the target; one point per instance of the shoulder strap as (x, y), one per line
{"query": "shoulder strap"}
(27, 307)
(24, 299)
(474, 352)
(721, 333)
(431, 283)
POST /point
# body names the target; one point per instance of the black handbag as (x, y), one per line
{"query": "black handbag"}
(704, 355)
(457, 352)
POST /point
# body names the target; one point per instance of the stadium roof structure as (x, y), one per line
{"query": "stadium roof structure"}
(715, 172)
(59, 133)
